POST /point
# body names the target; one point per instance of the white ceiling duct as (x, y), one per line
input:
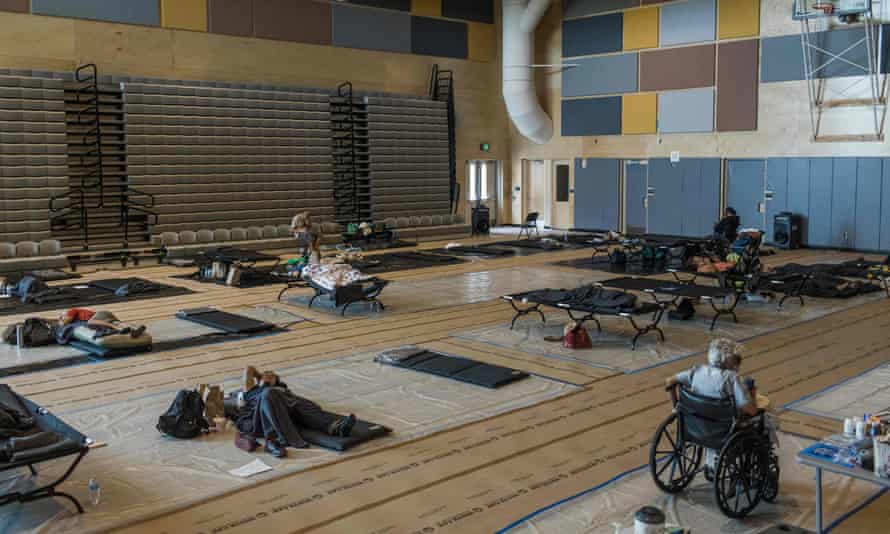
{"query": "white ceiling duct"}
(520, 18)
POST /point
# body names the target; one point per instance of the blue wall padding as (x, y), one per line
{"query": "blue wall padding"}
(145, 12)
(581, 8)
(475, 10)
(597, 194)
(593, 35)
(868, 204)
(439, 37)
(591, 116)
(693, 21)
(777, 182)
(821, 172)
(371, 29)
(601, 75)
(782, 57)
(843, 203)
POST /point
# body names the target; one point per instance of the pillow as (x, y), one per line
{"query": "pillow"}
(49, 247)
(7, 250)
(270, 232)
(26, 249)
(169, 238)
(254, 233)
(188, 237)
(404, 222)
(284, 230)
(221, 235)
(438, 220)
(204, 236)
(239, 234)
(415, 221)
(426, 220)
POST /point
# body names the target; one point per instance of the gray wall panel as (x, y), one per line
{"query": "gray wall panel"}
(868, 204)
(709, 202)
(146, 12)
(371, 29)
(439, 37)
(597, 194)
(580, 8)
(686, 111)
(843, 203)
(744, 189)
(601, 75)
(594, 35)
(777, 182)
(799, 191)
(821, 172)
(688, 22)
(591, 116)
(781, 59)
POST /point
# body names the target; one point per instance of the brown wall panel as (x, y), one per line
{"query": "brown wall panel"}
(677, 68)
(302, 21)
(20, 6)
(737, 86)
(232, 17)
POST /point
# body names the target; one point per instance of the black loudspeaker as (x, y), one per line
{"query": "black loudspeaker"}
(480, 220)
(787, 230)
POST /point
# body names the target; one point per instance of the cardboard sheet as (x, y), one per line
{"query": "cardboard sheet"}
(866, 393)
(142, 472)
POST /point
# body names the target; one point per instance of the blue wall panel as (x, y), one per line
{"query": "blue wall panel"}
(690, 212)
(868, 204)
(843, 203)
(781, 59)
(635, 182)
(145, 12)
(799, 191)
(821, 191)
(475, 10)
(597, 194)
(581, 8)
(777, 183)
(885, 203)
(693, 21)
(666, 179)
(591, 116)
(688, 111)
(371, 29)
(594, 35)
(438, 37)
(709, 203)
(744, 189)
(601, 75)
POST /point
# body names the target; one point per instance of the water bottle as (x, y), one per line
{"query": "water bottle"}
(95, 491)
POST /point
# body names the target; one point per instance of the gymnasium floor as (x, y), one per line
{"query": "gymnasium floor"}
(460, 460)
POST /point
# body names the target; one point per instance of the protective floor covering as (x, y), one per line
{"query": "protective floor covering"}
(166, 334)
(612, 348)
(85, 296)
(607, 509)
(162, 473)
(866, 393)
(404, 296)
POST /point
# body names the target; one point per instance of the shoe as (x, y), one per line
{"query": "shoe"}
(274, 448)
(709, 474)
(214, 404)
(342, 427)
(137, 332)
(250, 376)
(245, 442)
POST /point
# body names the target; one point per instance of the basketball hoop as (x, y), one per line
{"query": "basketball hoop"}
(825, 7)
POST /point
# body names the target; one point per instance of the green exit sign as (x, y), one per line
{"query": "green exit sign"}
(484, 147)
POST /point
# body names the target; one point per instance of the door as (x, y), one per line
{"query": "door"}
(517, 194)
(745, 180)
(482, 185)
(776, 193)
(561, 208)
(636, 188)
(666, 199)
(596, 199)
(537, 192)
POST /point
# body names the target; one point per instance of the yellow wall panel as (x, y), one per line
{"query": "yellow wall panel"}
(483, 43)
(639, 113)
(427, 8)
(641, 28)
(738, 18)
(184, 14)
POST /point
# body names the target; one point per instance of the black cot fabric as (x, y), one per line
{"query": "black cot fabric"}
(225, 321)
(458, 368)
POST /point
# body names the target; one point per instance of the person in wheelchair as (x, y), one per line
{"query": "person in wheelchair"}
(715, 411)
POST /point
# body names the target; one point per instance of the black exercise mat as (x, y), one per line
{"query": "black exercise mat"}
(249, 278)
(461, 369)
(225, 321)
(380, 245)
(678, 289)
(603, 264)
(537, 244)
(88, 296)
(404, 261)
(362, 432)
(479, 252)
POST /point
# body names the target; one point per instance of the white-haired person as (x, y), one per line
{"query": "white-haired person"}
(720, 379)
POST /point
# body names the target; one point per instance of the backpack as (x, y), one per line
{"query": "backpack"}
(618, 257)
(184, 419)
(36, 332)
(685, 311)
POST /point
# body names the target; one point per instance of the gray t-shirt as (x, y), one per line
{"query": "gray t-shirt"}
(305, 240)
(716, 383)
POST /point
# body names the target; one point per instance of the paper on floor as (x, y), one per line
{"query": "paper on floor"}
(253, 468)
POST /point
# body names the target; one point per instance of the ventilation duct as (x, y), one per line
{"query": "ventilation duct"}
(520, 18)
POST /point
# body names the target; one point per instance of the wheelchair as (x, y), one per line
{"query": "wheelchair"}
(747, 468)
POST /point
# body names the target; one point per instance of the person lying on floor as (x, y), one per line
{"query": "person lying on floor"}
(103, 322)
(267, 409)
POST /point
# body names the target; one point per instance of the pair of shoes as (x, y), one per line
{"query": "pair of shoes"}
(245, 442)
(137, 332)
(274, 448)
(214, 403)
(250, 378)
(342, 427)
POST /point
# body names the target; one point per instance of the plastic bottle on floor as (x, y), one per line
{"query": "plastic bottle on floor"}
(95, 491)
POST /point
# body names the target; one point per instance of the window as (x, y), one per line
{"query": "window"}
(472, 183)
(562, 183)
(484, 181)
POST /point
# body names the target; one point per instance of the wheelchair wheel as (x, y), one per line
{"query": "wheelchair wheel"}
(771, 487)
(742, 472)
(672, 461)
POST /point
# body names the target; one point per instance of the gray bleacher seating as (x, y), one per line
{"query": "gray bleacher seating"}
(31, 255)
(187, 242)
